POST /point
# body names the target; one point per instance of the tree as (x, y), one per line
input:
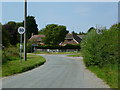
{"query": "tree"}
(10, 33)
(31, 26)
(54, 34)
(41, 31)
(82, 33)
(0, 33)
(73, 32)
(5, 38)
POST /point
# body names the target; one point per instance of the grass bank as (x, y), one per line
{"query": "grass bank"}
(75, 55)
(14, 66)
(108, 73)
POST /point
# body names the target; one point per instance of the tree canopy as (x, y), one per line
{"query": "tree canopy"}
(54, 34)
(73, 32)
(31, 26)
(10, 35)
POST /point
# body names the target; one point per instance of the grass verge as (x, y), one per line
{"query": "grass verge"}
(55, 53)
(109, 74)
(14, 66)
(75, 55)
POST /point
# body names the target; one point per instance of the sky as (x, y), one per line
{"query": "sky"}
(76, 16)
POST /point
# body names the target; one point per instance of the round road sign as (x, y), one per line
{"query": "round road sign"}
(21, 30)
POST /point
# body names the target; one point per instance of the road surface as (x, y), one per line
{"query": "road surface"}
(59, 71)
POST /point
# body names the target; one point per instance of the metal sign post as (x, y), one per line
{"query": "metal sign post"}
(21, 30)
(21, 48)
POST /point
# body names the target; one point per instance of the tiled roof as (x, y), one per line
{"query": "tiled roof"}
(37, 37)
(77, 38)
(69, 42)
(69, 36)
(71, 39)
(81, 36)
(73, 36)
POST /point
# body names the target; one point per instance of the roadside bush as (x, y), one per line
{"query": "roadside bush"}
(10, 53)
(68, 46)
(29, 47)
(0, 56)
(101, 49)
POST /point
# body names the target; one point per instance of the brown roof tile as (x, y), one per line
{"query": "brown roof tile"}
(69, 42)
(37, 37)
(73, 36)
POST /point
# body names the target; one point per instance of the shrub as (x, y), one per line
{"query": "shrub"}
(10, 53)
(29, 47)
(68, 46)
(101, 49)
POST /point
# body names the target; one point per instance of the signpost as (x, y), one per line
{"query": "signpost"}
(21, 30)
(34, 45)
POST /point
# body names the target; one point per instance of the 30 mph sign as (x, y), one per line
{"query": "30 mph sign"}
(21, 30)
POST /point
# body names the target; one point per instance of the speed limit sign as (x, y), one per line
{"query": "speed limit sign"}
(21, 30)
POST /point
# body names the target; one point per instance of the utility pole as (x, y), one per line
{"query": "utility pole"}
(25, 15)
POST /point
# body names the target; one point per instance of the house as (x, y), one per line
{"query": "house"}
(81, 36)
(37, 39)
(71, 39)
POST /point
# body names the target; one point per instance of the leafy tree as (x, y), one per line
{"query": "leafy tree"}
(54, 34)
(10, 33)
(0, 33)
(31, 26)
(101, 49)
(5, 38)
(73, 32)
(41, 31)
(82, 33)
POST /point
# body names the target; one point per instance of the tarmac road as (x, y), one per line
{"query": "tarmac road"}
(59, 71)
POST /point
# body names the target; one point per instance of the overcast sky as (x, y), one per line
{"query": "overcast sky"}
(77, 16)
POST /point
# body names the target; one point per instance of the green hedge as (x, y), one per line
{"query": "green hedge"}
(68, 46)
(10, 53)
(101, 49)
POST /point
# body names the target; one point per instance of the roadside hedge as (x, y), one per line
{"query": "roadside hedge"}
(10, 53)
(68, 46)
(101, 49)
